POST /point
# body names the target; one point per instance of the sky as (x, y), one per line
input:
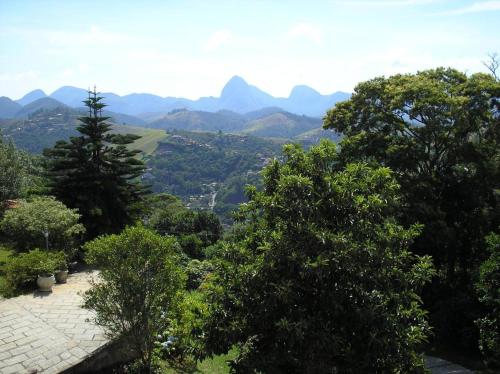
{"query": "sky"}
(191, 48)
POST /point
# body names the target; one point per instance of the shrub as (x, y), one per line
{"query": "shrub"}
(196, 271)
(22, 270)
(488, 288)
(26, 225)
(139, 289)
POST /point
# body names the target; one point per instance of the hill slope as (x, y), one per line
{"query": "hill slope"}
(8, 108)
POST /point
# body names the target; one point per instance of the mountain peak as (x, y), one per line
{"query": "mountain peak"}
(302, 91)
(31, 96)
(234, 86)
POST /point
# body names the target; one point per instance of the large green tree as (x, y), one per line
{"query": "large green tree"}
(97, 173)
(321, 279)
(439, 131)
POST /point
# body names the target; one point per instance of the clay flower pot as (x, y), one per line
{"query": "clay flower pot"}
(61, 276)
(45, 282)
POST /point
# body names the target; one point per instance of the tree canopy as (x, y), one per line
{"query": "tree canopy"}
(439, 131)
(97, 173)
(321, 279)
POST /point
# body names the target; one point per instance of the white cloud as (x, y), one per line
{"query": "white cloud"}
(25, 75)
(218, 39)
(478, 6)
(306, 31)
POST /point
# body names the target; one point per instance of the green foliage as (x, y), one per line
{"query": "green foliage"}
(439, 131)
(183, 341)
(320, 280)
(96, 173)
(22, 270)
(17, 169)
(197, 271)
(195, 230)
(488, 288)
(139, 287)
(26, 224)
(189, 164)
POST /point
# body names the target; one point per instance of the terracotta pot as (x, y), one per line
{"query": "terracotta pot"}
(61, 276)
(45, 283)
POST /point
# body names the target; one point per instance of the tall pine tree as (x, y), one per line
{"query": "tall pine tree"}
(96, 172)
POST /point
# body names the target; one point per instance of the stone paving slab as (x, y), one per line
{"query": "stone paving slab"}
(439, 366)
(48, 332)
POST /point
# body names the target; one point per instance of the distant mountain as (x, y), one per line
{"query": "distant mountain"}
(71, 96)
(186, 120)
(267, 122)
(44, 121)
(305, 100)
(236, 96)
(281, 125)
(45, 103)
(30, 97)
(8, 108)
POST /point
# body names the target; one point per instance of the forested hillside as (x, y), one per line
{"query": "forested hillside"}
(209, 170)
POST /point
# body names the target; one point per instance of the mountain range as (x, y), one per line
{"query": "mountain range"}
(236, 96)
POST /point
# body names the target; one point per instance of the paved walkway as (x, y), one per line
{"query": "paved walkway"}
(440, 366)
(47, 332)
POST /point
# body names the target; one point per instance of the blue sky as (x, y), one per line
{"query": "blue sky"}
(191, 48)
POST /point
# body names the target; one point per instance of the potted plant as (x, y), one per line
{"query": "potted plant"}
(61, 267)
(46, 279)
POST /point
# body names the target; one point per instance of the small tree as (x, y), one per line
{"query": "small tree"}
(322, 280)
(28, 225)
(139, 287)
(96, 172)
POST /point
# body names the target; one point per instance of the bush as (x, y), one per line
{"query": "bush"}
(191, 245)
(22, 270)
(196, 271)
(139, 289)
(26, 225)
(488, 289)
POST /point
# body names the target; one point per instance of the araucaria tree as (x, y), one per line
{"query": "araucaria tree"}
(96, 172)
(439, 131)
(321, 279)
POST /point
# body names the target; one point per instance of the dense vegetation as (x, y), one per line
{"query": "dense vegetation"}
(346, 259)
(320, 273)
(439, 131)
(199, 165)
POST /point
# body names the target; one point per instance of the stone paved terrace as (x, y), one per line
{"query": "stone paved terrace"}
(47, 332)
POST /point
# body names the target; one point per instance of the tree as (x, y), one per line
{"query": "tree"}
(96, 172)
(27, 225)
(439, 131)
(321, 280)
(15, 166)
(139, 287)
(194, 229)
(488, 288)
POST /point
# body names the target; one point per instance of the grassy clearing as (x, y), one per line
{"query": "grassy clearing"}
(214, 365)
(149, 137)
